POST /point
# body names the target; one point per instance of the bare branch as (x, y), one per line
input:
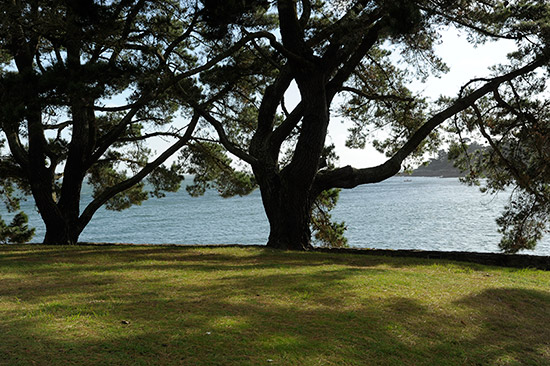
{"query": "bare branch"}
(58, 126)
(150, 135)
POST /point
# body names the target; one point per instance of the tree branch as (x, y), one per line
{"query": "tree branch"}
(346, 39)
(114, 109)
(376, 96)
(20, 155)
(348, 177)
(465, 24)
(306, 13)
(518, 113)
(147, 49)
(231, 50)
(127, 25)
(343, 74)
(292, 34)
(265, 56)
(150, 135)
(342, 23)
(109, 193)
(224, 140)
(285, 128)
(289, 54)
(110, 137)
(180, 39)
(270, 102)
(520, 177)
(58, 126)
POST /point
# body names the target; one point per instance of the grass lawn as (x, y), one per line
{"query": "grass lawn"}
(147, 305)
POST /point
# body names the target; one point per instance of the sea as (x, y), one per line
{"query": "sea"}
(426, 213)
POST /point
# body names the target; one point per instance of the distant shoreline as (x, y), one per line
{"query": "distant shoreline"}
(432, 174)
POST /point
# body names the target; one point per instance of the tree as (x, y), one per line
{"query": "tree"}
(332, 48)
(17, 231)
(515, 125)
(83, 86)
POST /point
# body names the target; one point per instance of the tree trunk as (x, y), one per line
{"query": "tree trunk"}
(288, 210)
(62, 223)
(62, 226)
(289, 215)
(287, 193)
(61, 233)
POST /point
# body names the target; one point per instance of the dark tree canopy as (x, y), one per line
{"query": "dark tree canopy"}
(84, 85)
(228, 66)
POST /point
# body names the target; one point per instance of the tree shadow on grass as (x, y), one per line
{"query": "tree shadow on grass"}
(513, 326)
(83, 270)
(173, 256)
(223, 333)
(286, 312)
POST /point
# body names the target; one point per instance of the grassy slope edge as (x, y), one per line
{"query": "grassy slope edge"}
(148, 305)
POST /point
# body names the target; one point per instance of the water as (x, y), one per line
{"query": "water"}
(399, 213)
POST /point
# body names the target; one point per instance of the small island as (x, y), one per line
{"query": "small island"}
(438, 167)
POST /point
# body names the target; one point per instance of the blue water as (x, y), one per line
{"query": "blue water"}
(400, 213)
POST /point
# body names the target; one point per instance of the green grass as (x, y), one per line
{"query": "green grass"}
(146, 305)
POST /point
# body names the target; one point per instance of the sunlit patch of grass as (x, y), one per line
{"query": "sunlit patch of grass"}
(150, 305)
